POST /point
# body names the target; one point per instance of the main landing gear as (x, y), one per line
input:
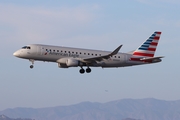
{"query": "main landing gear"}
(32, 61)
(88, 70)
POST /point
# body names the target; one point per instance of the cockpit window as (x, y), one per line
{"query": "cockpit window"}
(26, 47)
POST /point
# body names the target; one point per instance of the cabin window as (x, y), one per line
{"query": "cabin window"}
(84, 53)
(65, 51)
(95, 54)
(57, 50)
(80, 53)
(73, 52)
(76, 52)
(118, 56)
(88, 53)
(69, 52)
(46, 49)
(53, 50)
(115, 56)
(50, 50)
(61, 51)
(99, 54)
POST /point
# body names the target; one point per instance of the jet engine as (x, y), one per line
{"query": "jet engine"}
(68, 62)
(72, 62)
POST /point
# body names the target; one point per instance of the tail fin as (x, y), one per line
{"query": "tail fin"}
(148, 48)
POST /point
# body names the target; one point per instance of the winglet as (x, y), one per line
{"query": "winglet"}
(115, 51)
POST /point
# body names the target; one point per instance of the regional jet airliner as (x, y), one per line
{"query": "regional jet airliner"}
(67, 57)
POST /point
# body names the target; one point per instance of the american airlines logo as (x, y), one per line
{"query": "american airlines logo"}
(61, 54)
(47, 51)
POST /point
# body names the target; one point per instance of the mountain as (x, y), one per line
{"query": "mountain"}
(125, 109)
(3, 117)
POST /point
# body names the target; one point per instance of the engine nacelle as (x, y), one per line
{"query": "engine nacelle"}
(72, 62)
(60, 65)
(68, 62)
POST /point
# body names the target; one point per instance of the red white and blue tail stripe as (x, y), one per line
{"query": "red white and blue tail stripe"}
(148, 48)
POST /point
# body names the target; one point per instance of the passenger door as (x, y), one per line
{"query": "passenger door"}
(41, 50)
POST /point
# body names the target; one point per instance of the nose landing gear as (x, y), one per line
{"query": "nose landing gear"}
(31, 66)
(32, 61)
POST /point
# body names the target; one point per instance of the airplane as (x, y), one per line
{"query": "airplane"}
(67, 57)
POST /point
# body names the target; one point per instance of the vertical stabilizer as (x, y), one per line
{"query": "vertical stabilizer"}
(148, 48)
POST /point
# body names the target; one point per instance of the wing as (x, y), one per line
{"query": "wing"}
(100, 58)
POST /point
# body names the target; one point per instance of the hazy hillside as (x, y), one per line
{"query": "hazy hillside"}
(142, 109)
(3, 117)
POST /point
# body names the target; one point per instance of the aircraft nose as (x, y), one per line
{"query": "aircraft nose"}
(16, 53)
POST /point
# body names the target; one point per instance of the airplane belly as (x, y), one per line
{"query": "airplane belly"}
(112, 64)
(118, 62)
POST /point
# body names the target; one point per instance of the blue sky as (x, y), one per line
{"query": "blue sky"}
(102, 25)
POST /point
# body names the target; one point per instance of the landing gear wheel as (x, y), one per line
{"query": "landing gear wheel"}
(31, 66)
(81, 70)
(88, 70)
(32, 61)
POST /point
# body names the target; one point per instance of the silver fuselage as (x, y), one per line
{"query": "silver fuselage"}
(54, 53)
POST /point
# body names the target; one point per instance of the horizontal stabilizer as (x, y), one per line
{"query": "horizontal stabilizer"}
(151, 58)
